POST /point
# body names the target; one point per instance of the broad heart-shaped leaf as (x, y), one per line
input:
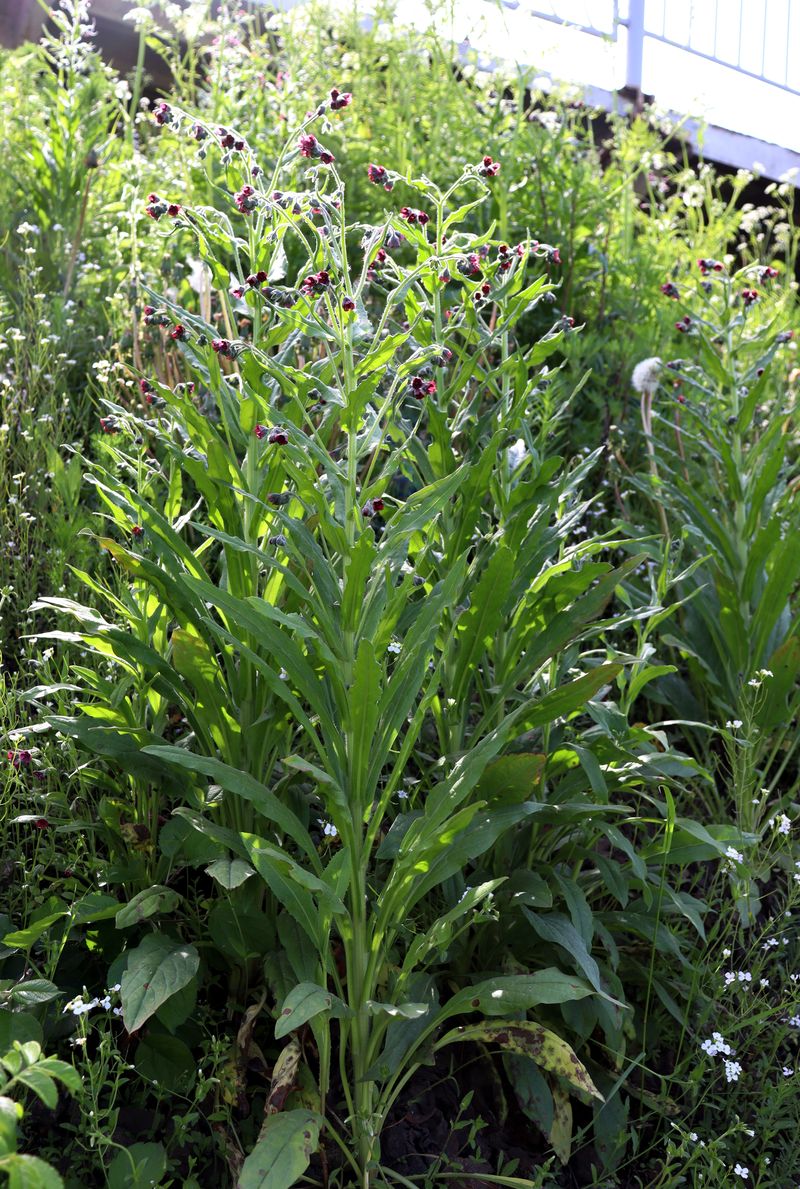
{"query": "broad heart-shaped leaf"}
(303, 1003)
(156, 969)
(29, 1172)
(141, 1166)
(284, 1148)
(516, 992)
(152, 902)
(528, 1039)
(230, 872)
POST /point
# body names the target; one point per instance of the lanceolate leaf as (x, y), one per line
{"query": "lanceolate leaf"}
(531, 1040)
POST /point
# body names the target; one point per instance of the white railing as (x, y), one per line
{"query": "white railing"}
(753, 37)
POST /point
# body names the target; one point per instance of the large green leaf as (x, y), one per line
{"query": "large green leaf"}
(284, 1149)
(303, 1003)
(156, 970)
(149, 903)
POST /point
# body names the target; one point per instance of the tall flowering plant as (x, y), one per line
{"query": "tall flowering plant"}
(340, 587)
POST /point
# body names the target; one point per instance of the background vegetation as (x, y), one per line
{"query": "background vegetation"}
(399, 626)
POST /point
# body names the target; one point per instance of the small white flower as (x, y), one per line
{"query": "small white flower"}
(733, 724)
(729, 977)
(329, 830)
(732, 1071)
(693, 1136)
(394, 646)
(726, 953)
(764, 982)
(741, 1171)
(787, 1072)
(645, 375)
(782, 824)
(736, 855)
(744, 976)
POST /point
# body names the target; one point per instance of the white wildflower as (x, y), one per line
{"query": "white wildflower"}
(736, 855)
(732, 1071)
(741, 1171)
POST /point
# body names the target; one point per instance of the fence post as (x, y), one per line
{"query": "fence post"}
(633, 64)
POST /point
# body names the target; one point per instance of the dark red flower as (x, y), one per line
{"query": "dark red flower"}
(340, 99)
(178, 332)
(749, 296)
(420, 387)
(670, 290)
(348, 304)
(278, 437)
(316, 283)
(19, 759)
(173, 210)
(767, 274)
(379, 176)
(412, 216)
(109, 425)
(489, 168)
(42, 823)
(162, 113)
(310, 147)
(137, 531)
(261, 432)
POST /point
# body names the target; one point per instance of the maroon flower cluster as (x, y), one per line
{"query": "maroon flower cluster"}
(684, 324)
(109, 425)
(156, 207)
(316, 283)
(310, 147)
(229, 141)
(707, 266)
(162, 114)
(413, 216)
(768, 273)
(470, 266)
(379, 176)
(245, 200)
(376, 264)
(489, 168)
(340, 99)
(19, 759)
(152, 318)
(420, 388)
(222, 347)
(670, 290)
(749, 296)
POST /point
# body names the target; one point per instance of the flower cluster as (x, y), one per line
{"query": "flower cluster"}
(669, 289)
(420, 388)
(412, 216)
(156, 207)
(379, 176)
(749, 296)
(310, 147)
(245, 200)
(340, 99)
(489, 168)
(707, 266)
(316, 283)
